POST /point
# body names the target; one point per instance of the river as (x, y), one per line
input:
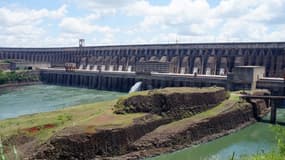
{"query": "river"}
(42, 98)
(254, 139)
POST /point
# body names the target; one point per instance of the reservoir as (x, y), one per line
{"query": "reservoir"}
(254, 139)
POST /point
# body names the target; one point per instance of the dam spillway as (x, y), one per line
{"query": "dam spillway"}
(207, 58)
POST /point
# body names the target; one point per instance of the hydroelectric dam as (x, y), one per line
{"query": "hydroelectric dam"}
(160, 65)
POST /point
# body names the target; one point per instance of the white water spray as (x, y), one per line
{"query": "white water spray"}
(81, 67)
(95, 68)
(129, 68)
(88, 67)
(136, 87)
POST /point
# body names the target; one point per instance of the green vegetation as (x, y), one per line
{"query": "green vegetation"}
(2, 153)
(226, 105)
(89, 117)
(121, 109)
(10, 77)
(6, 61)
(170, 90)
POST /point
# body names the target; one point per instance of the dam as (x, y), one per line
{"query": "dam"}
(117, 68)
(204, 58)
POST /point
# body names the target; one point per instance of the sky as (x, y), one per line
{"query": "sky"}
(58, 23)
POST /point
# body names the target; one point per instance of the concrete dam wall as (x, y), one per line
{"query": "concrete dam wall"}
(212, 58)
(123, 81)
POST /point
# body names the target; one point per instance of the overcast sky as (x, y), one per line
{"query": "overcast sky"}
(51, 23)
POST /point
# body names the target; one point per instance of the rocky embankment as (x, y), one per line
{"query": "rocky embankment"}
(173, 104)
(187, 132)
(189, 116)
(103, 143)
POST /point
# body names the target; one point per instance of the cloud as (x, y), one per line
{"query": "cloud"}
(105, 4)
(26, 27)
(84, 26)
(76, 25)
(103, 7)
(140, 21)
(12, 16)
(197, 20)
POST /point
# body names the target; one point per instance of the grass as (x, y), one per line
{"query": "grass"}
(274, 155)
(170, 90)
(119, 107)
(88, 116)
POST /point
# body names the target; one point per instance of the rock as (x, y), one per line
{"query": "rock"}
(173, 105)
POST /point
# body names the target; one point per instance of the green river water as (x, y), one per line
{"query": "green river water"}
(42, 98)
(254, 139)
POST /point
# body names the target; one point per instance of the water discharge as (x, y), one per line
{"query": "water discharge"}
(136, 87)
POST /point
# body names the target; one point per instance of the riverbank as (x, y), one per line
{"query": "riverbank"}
(94, 130)
(18, 79)
(228, 117)
(19, 84)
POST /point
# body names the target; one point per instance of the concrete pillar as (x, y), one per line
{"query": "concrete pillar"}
(197, 65)
(272, 66)
(279, 72)
(239, 61)
(211, 66)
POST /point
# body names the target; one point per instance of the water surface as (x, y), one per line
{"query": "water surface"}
(42, 98)
(256, 138)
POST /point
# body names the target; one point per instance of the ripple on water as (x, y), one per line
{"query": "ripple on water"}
(43, 98)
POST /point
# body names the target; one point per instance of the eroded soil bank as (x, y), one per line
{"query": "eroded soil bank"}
(149, 136)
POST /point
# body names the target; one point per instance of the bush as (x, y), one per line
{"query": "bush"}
(3, 78)
(280, 136)
(13, 76)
